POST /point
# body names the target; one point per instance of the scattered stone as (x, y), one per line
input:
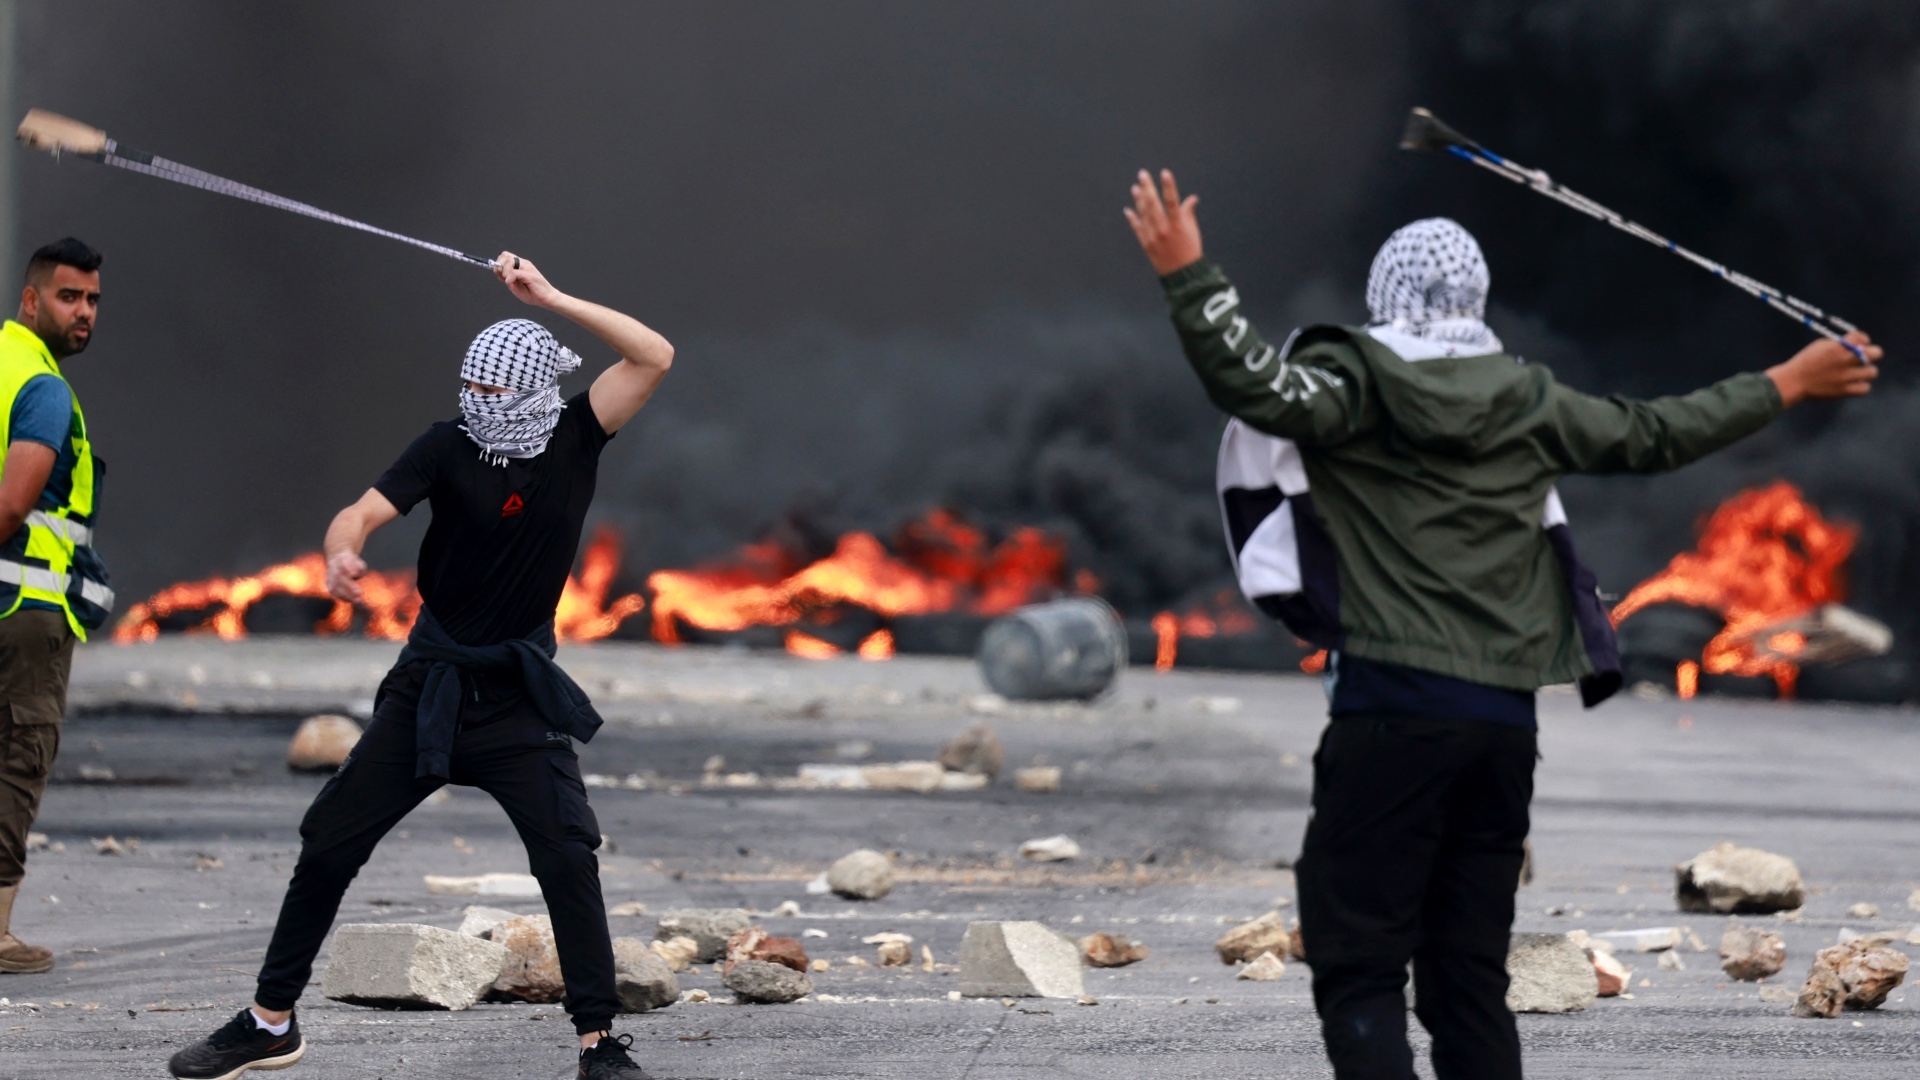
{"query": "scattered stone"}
(762, 982)
(895, 954)
(97, 774)
(885, 936)
(1751, 954)
(207, 862)
(1729, 879)
(479, 921)
(1245, 943)
(1913, 900)
(1111, 950)
(1777, 995)
(976, 750)
(1609, 974)
(630, 909)
(532, 969)
(818, 886)
(1265, 968)
(1050, 849)
(926, 959)
(1018, 959)
(820, 963)
(708, 927)
(1651, 939)
(520, 886)
(321, 743)
(1670, 961)
(1694, 942)
(917, 776)
(1864, 911)
(788, 909)
(754, 943)
(1856, 975)
(856, 961)
(1038, 778)
(37, 841)
(1549, 974)
(405, 965)
(696, 996)
(839, 777)
(1872, 937)
(677, 953)
(1296, 948)
(644, 980)
(111, 846)
(959, 781)
(813, 931)
(861, 875)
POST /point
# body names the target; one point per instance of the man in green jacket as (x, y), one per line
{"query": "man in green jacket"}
(1430, 454)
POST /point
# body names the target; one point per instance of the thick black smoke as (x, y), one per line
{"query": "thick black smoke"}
(887, 242)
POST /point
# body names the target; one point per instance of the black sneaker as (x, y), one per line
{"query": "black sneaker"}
(240, 1046)
(608, 1060)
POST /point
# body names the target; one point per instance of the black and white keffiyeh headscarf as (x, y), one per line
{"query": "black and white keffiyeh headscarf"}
(523, 357)
(1430, 282)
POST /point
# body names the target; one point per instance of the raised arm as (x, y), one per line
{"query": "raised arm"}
(1314, 398)
(645, 356)
(347, 537)
(1619, 434)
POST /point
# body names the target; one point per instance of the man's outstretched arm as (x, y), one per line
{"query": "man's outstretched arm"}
(347, 537)
(645, 356)
(1619, 434)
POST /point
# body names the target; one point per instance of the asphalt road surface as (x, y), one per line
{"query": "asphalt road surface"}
(1186, 791)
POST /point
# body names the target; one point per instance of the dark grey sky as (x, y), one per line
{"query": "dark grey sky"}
(886, 237)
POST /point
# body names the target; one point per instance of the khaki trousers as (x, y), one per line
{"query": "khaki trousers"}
(36, 653)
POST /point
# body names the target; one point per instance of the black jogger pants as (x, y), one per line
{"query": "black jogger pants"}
(530, 771)
(1413, 853)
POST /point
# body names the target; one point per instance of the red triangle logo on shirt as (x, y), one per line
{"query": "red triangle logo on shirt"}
(514, 505)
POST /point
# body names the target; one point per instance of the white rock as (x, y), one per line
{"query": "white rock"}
(1913, 900)
(1731, 879)
(322, 742)
(918, 776)
(1549, 974)
(1037, 778)
(1050, 849)
(1671, 961)
(861, 875)
(408, 965)
(1265, 968)
(708, 927)
(844, 777)
(37, 841)
(1651, 939)
(630, 909)
(960, 781)
(505, 886)
(787, 909)
(818, 886)
(479, 921)
(884, 937)
(1019, 959)
(1864, 911)
(1610, 975)
(677, 953)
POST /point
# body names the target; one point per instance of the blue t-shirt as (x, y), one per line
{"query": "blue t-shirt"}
(1375, 688)
(43, 413)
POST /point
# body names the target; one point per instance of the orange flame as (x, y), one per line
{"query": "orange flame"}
(1686, 679)
(1764, 556)
(1227, 618)
(1314, 663)
(1166, 632)
(389, 598)
(808, 647)
(943, 565)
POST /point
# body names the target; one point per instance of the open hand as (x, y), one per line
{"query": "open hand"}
(1164, 223)
(344, 571)
(525, 280)
(1827, 369)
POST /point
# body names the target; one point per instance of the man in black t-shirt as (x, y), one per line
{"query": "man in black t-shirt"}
(475, 698)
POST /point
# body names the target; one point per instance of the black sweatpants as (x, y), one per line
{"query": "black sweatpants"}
(1413, 852)
(529, 770)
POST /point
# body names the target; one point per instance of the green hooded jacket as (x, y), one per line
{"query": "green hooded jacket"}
(1430, 477)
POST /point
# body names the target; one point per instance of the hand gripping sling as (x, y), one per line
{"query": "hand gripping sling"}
(1425, 131)
(58, 135)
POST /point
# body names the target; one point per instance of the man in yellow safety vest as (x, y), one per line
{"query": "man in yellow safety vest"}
(53, 587)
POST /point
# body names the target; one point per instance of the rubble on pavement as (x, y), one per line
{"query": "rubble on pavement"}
(1730, 879)
(478, 921)
(532, 969)
(505, 886)
(322, 743)
(1549, 974)
(1038, 778)
(1111, 950)
(1856, 975)
(766, 983)
(406, 965)
(708, 927)
(976, 751)
(861, 875)
(676, 952)
(1050, 849)
(643, 979)
(1750, 954)
(1019, 959)
(1247, 941)
(754, 943)
(1265, 968)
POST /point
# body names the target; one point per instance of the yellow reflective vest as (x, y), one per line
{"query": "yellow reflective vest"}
(51, 557)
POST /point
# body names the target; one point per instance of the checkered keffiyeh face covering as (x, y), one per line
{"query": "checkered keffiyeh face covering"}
(1430, 280)
(525, 359)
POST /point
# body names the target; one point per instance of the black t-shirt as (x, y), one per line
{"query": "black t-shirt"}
(503, 539)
